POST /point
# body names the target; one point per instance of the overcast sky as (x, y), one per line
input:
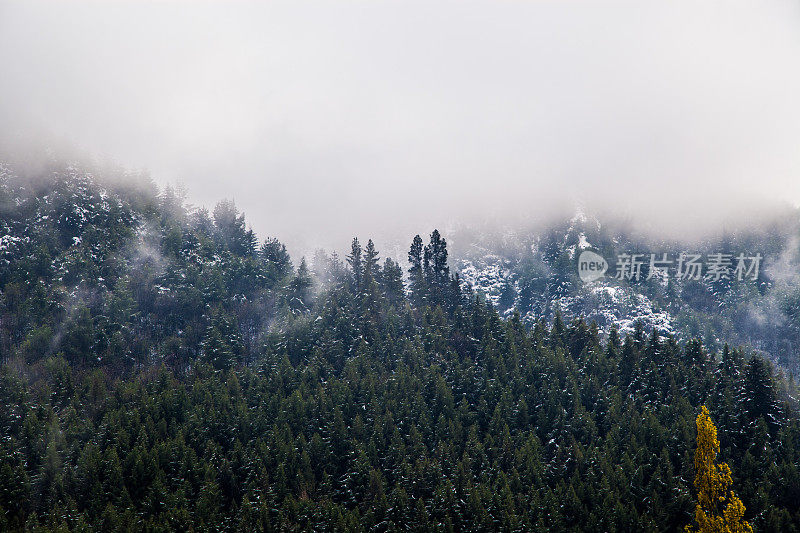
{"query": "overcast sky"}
(327, 119)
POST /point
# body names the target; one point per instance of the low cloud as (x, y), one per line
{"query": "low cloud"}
(327, 120)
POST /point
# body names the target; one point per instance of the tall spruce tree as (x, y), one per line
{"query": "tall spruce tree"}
(416, 277)
(371, 266)
(275, 254)
(435, 268)
(355, 260)
(392, 281)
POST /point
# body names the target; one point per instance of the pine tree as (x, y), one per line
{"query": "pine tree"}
(231, 227)
(435, 269)
(718, 509)
(371, 266)
(328, 269)
(300, 288)
(759, 391)
(216, 350)
(415, 275)
(392, 281)
(355, 261)
(251, 243)
(275, 254)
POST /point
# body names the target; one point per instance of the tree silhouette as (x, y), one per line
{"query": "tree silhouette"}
(718, 509)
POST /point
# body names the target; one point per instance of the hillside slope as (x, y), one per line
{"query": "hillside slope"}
(535, 271)
(163, 370)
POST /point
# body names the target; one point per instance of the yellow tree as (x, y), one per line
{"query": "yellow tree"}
(718, 509)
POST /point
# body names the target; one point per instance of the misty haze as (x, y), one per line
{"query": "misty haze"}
(384, 266)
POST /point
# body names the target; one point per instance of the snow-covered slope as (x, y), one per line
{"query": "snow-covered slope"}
(535, 272)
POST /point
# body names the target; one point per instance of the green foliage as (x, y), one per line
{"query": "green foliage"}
(199, 384)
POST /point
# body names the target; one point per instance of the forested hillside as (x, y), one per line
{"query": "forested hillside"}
(533, 271)
(163, 369)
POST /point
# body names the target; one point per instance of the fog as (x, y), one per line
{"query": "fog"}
(323, 120)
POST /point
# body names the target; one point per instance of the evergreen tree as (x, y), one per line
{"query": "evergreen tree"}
(274, 252)
(759, 394)
(392, 281)
(300, 288)
(416, 277)
(355, 261)
(371, 266)
(435, 269)
(231, 227)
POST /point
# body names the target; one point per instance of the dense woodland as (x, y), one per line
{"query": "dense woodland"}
(162, 370)
(532, 270)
